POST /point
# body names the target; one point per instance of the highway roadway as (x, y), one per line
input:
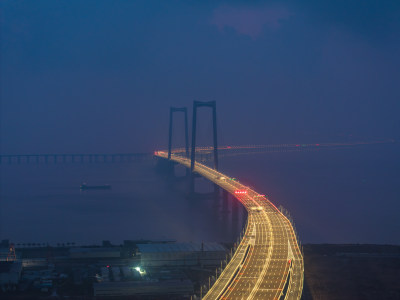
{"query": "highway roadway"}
(268, 263)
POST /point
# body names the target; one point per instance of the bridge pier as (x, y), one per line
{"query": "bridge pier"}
(198, 195)
(164, 166)
(235, 217)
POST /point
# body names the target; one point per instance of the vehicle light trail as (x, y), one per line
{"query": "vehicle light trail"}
(268, 263)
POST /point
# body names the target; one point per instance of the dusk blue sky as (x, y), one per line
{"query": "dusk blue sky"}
(99, 76)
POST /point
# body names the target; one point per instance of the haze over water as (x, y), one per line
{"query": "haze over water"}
(43, 203)
(100, 77)
(323, 190)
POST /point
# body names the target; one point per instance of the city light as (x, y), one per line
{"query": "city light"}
(140, 270)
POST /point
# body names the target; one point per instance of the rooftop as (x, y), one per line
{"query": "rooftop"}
(10, 266)
(180, 247)
(94, 249)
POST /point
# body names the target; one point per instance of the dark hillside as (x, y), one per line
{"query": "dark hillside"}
(351, 272)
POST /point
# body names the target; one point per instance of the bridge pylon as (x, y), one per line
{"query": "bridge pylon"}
(196, 105)
(172, 110)
(212, 105)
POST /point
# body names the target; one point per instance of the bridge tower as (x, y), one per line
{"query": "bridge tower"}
(171, 117)
(212, 105)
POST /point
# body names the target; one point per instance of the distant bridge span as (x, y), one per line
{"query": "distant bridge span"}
(204, 153)
(268, 263)
(73, 158)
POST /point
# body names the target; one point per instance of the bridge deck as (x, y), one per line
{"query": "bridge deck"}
(268, 263)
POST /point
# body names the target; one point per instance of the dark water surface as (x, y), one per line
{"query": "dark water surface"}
(347, 195)
(43, 203)
(335, 196)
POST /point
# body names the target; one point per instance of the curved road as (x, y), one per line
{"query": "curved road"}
(268, 263)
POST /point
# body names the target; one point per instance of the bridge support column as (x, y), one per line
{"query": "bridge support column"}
(225, 203)
(235, 217)
(165, 166)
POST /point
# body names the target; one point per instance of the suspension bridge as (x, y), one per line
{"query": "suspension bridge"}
(268, 262)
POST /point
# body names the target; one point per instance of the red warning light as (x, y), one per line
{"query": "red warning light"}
(297, 145)
(108, 266)
(240, 192)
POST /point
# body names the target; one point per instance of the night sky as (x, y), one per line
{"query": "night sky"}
(100, 76)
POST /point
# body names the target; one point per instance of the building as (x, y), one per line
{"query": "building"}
(153, 287)
(98, 252)
(10, 273)
(181, 254)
